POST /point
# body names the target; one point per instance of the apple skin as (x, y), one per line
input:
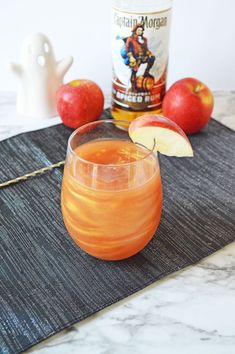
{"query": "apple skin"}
(79, 102)
(165, 143)
(155, 120)
(189, 103)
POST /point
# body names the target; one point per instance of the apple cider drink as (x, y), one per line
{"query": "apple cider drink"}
(111, 192)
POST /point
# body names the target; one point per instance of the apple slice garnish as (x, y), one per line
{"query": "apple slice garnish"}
(158, 133)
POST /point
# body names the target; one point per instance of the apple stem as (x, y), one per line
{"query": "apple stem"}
(154, 140)
(136, 142)
(197, 88)
(154, 144)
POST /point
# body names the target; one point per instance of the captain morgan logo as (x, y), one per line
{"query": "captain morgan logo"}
(123, 21)
(140, 54)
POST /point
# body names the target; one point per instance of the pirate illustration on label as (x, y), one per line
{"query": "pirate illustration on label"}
(135, 52)
(139, 56)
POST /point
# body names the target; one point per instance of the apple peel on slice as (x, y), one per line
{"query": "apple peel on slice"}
(160, 134)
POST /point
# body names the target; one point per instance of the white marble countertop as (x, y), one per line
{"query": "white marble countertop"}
(189, 312)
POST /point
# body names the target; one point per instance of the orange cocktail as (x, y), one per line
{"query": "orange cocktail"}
(111, 192)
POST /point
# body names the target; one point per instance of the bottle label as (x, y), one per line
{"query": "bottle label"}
(139, 55)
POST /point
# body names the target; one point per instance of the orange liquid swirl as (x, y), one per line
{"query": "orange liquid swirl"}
(111, 210)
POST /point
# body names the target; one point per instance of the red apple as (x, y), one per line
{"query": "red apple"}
(79, 102)
(159, 133)
(189, 103)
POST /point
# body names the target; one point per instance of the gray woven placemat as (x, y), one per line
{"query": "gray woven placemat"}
(47, 283)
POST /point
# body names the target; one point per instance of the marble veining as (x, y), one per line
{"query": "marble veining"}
(189, 312)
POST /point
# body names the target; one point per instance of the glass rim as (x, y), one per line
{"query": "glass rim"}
(112, 121)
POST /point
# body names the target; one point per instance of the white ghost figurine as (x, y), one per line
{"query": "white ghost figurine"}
(40, 75)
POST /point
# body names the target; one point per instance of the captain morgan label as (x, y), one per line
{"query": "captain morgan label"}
(139, 56)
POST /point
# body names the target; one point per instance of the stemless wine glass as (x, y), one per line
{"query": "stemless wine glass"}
(111, 193)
